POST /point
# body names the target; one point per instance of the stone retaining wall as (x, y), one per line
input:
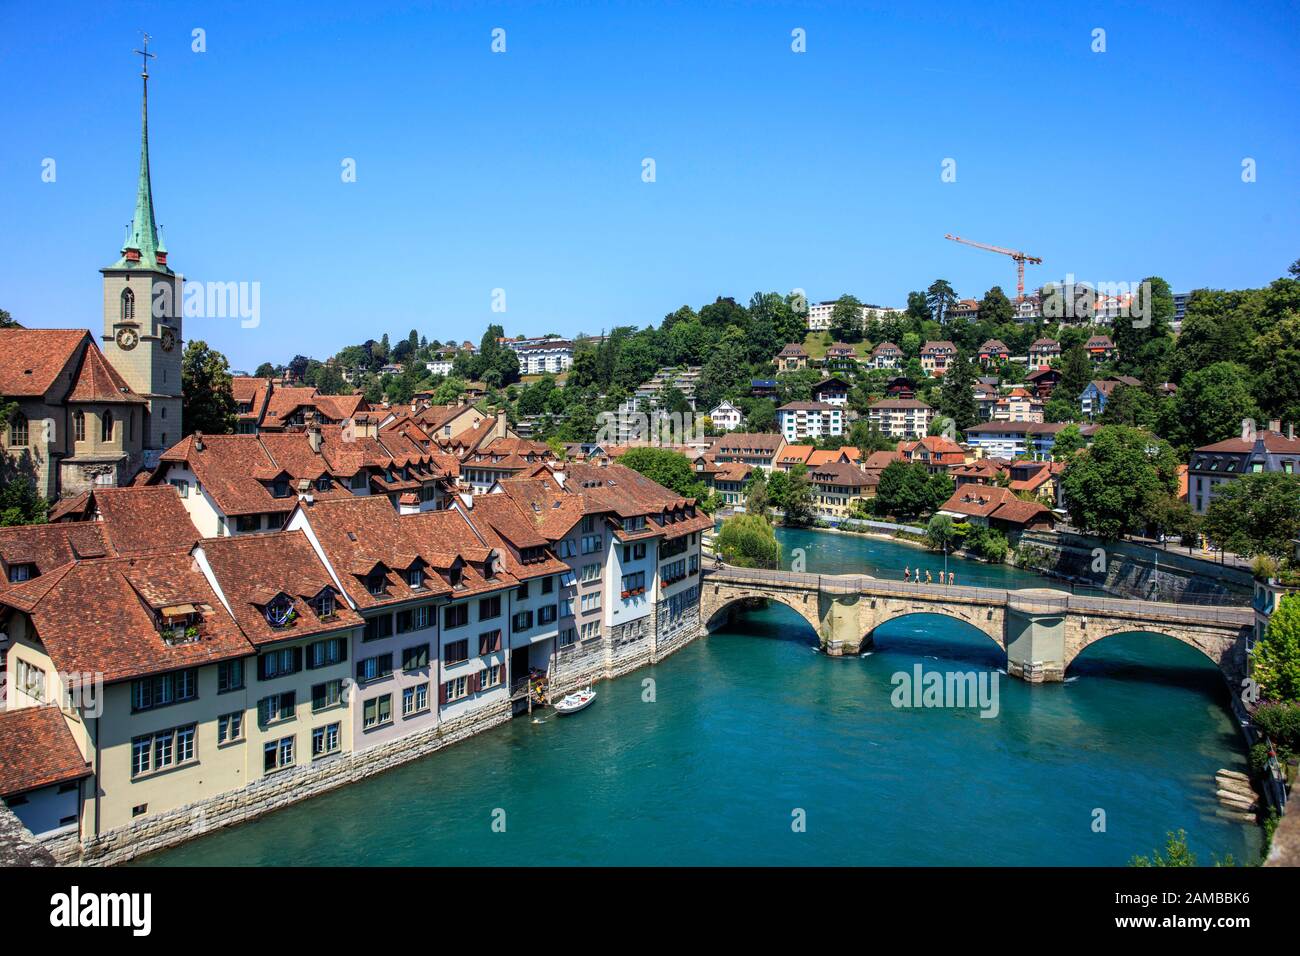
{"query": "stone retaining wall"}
(168, 829)
(576, 666)
(1132, 569)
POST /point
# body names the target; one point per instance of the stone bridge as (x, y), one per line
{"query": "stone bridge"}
(1041, 630)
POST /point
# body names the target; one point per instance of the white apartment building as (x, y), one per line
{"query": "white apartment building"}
(543, 356)
(901, 417)
(819, 314)
(800, 420)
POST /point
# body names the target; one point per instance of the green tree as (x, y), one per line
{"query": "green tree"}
(846, 319)
(666, 467)
(907, 489)
(797, 499)
(1068, 440)
(939, 299)
(1131, 405)
(995, 308)
(265, 370)
(748, 541)
(450, 391)
(1076, 373)
(941, 533)
(20, 502)
(1113, 487)
(1209, 406)
(868, 438)
(756, 499)
(1176, 853)
(957, 396)
(207, 400)
(1143, 339)
(1278, 385)
(1255, 514)
(329, 381)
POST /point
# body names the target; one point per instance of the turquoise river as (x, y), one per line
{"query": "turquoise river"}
(751, 726)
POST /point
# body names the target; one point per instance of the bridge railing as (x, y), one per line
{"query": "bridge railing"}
(1037, 598)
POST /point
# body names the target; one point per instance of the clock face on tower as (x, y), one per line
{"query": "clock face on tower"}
(127, 339)
(168, 340)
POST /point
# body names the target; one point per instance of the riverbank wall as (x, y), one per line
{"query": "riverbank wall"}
(604, 658)
(1131, 570)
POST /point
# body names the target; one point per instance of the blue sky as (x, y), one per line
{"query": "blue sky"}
(522, 170)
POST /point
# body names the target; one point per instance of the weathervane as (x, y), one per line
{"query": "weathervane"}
(145, 56)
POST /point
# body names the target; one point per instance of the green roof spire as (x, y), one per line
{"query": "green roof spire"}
(142, 248)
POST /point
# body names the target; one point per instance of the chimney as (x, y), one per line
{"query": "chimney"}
(1248, 429)
(198, 441)
(1290, 431)
(1275, 425)
(313, 435)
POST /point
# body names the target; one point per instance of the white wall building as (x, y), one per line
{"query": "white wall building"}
(726, 416)
(799, 420)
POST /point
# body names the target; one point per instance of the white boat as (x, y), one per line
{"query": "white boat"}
(578, 700)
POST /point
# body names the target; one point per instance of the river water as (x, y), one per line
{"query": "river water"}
(749, 747)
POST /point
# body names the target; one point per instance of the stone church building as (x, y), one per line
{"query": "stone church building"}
(94, 414)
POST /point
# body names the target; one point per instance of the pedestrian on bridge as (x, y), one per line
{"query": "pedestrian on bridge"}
(952, 577)
(928, 578)
(907, 572)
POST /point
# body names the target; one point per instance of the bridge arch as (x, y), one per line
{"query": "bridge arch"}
(992, 630)
(717, 604)
(1216, 647)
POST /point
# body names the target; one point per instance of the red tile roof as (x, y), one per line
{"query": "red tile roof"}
(97, 381)
(253, 569)
(996, 503)
(101, 617)
(37, 750)
(31, 360)
(360, 534)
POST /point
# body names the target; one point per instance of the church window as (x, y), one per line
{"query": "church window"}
(78, 425)
(106, 429)
(128, 305)
(18, 431)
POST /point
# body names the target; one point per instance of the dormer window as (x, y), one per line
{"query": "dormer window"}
(323, 604)
(456, 575)
(22, 572)
(323, 483)
(376, 582)
(279, 612)
(280, 488)
(359, 481)
(415, 577)
(179, 623)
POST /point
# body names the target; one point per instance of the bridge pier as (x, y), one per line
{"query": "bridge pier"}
(840, 628)
(1035, 641)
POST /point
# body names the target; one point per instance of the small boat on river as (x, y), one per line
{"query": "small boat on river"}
(578, 700)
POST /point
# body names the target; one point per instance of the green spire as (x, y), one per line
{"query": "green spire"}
(142, 245)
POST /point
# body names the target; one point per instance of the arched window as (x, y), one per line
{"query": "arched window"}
(128, 305)
(78, 425)
(18, 431)
(106, 431)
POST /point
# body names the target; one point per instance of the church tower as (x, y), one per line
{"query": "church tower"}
(142, 308)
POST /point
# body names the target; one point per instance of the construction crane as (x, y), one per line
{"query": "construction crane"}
(1020, 257)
